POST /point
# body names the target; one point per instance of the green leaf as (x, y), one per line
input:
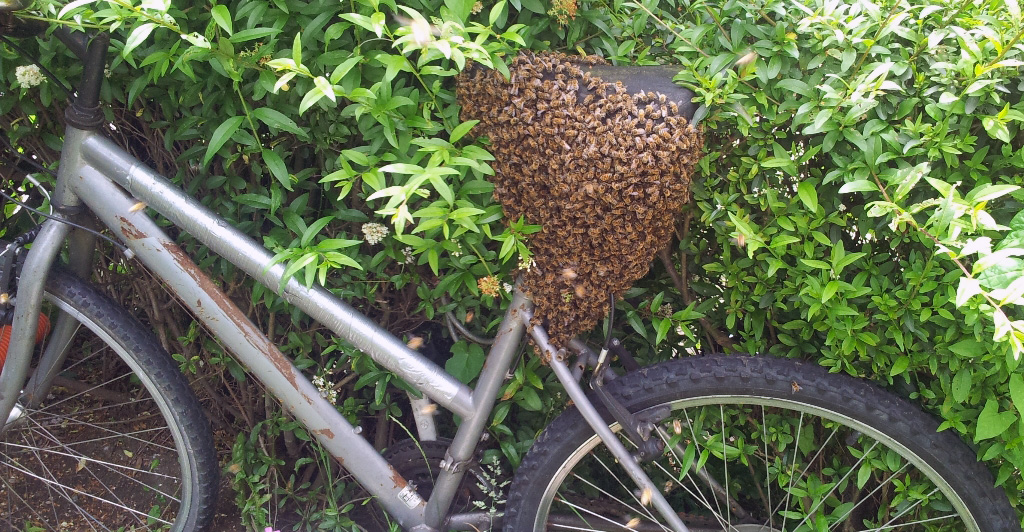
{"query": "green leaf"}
(362, 21)
(1017, 393)
(968, 348)
(1011, 294)
(989, 192)
(814, 263)
(996, 128)
(968, 287)
(664, 325)
(314, 95)
(860, 185)
(992, 422)
(962, 385)
(846, 260)
(253, 33)
(402, 168)
(277, 120)
(495, 13)
(829, 291)
(344, 68)
(277, 168)
(461, 9)
(137, 37)
(222, 17)
(297, 265)
(529, 399)
(1001, 275)
(907, 178)
(221, 136)
(1000, 260)
(313, 229)
(808, 195)
(901, 365)
(297, 48)
(461, 130)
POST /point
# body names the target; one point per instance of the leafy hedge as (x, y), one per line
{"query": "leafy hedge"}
(858, 204)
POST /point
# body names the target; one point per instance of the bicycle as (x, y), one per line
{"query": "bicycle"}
(668, 447)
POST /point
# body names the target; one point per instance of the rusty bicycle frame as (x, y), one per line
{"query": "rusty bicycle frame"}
(97, 176)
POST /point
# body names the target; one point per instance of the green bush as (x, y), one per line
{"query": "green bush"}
(858, 205)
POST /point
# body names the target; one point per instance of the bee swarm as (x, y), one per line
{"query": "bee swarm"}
(602, 171)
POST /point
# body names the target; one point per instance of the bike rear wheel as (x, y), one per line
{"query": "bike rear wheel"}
(120, 441)
(759, 444)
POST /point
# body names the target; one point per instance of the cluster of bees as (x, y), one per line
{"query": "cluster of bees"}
(603, 170)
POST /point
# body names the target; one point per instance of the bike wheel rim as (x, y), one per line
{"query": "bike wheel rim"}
(735, 400)
(185, 475)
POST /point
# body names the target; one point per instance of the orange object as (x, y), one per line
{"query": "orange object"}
(5, 336)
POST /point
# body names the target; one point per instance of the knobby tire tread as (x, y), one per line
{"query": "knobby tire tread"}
(146, 350)
(769, 377)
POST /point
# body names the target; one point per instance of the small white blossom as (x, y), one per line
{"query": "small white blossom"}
(374, 232)
(29, 75)
(407, 252)
(507, 287)
(526, 264)
(326, 390)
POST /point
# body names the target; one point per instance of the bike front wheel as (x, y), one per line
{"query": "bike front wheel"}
(759, 444)
(118, 443)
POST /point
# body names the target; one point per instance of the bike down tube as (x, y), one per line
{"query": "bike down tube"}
(239, 249)
(342, 440)
(600, 426)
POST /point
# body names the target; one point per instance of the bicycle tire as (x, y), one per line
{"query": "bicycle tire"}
(869, 483)
(120, 442)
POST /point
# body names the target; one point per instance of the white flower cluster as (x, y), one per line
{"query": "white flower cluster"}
(374, 232)
(326, 390)
(493, 483)
(507, 286)
(29, 75)
(407, 253)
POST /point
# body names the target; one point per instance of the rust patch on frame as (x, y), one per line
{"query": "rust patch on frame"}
(397, 478)
(129, 230)
(327, 433)
(252, 335)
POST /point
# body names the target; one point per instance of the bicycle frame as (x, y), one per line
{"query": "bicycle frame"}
(98, 176)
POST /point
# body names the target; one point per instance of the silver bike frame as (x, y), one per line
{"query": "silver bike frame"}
(100, 176)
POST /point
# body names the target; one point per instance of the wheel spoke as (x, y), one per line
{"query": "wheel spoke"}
(643, 509)
(699, 494)
(118, 441)
(68, 489)
(600, 517)
(838, 455)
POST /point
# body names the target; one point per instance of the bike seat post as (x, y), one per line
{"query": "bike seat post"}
(84, 111)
